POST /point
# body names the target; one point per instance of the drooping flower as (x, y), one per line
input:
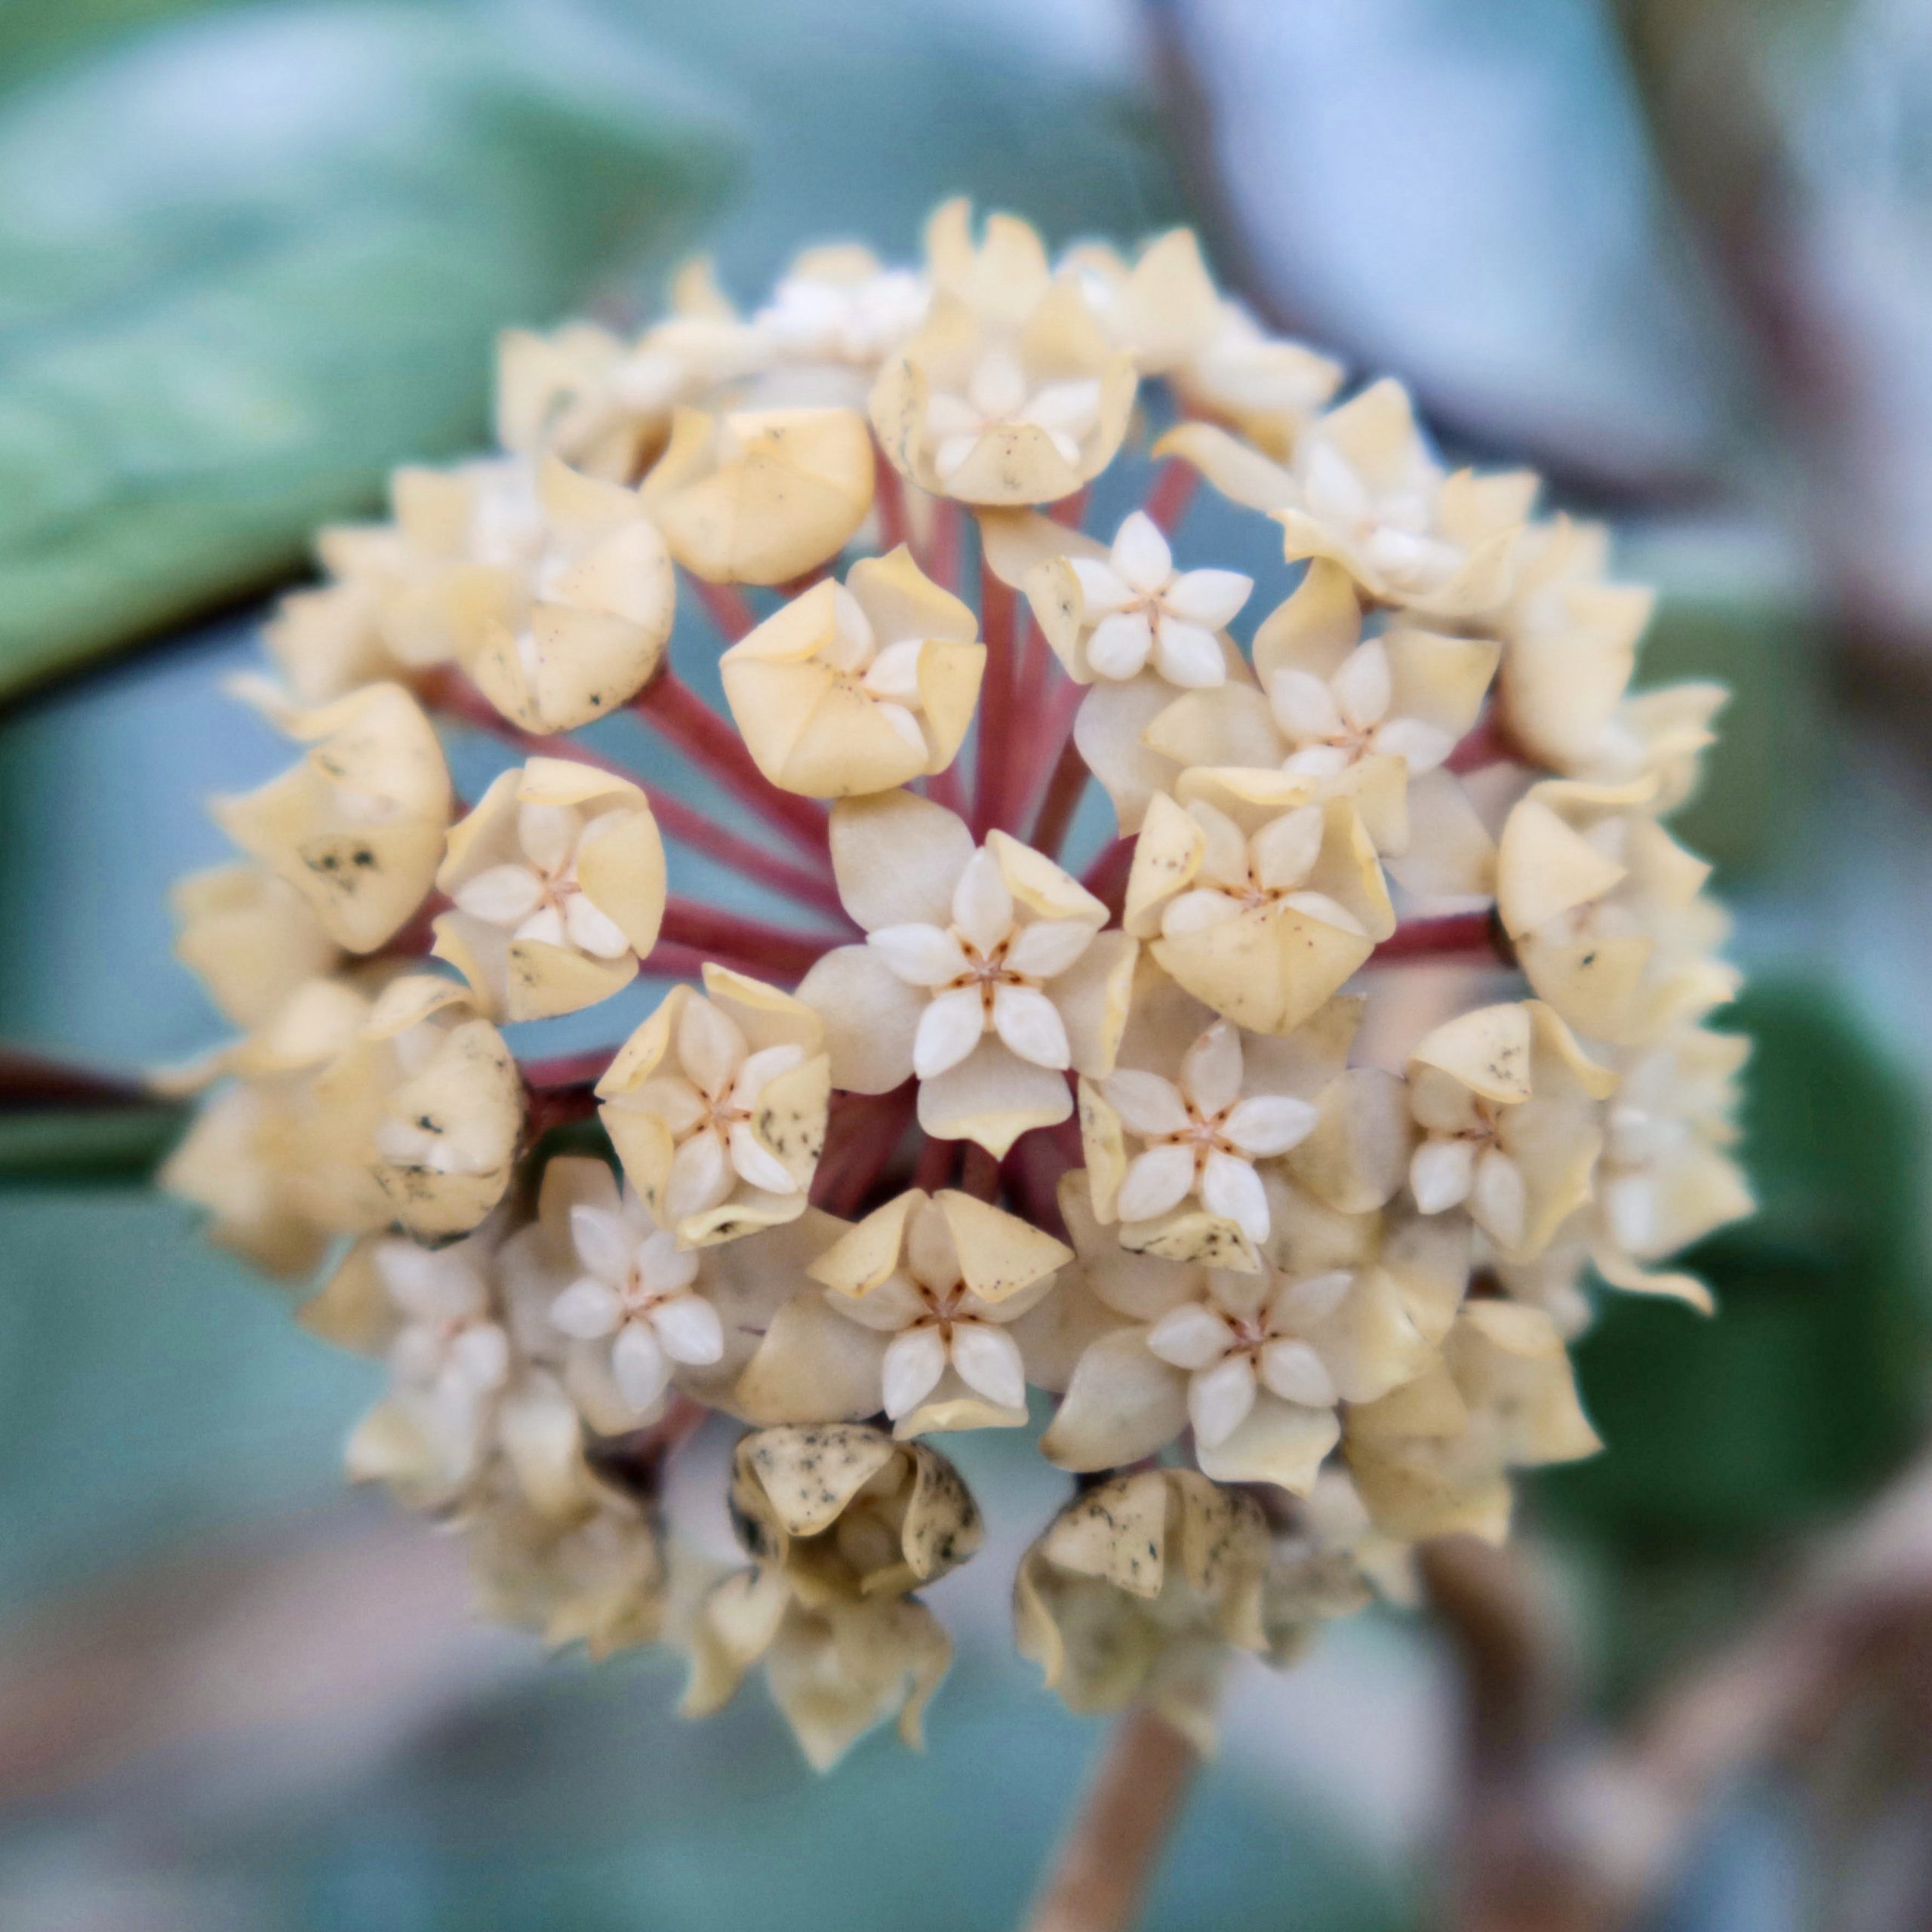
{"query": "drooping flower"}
(841, 1523)
(858, 687)
(986, 974)
(558, 877)
(1138, 1588)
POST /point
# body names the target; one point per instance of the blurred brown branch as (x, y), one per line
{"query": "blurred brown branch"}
(1559, 1830)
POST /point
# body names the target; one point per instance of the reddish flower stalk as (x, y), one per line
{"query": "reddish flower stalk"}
(455, 697)
(889, 497)
(708, 929)
(946, 788)
(1486, 743)
(584, 1069)
(997, 757)
(862, 1140)
(670, 960)
(935, 1165)
(979, 1172)
(1071, 511)
(1105, 878)
(1173, 491)
(1065, 789)
(675, 710)
(556, 1106)
(1468, 937)
(948, 535)
(727, 606)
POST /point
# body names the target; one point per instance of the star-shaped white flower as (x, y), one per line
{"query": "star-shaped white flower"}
(1332, 722)
(997, 393)
(1230, 1354)
(888, 673)
(1238, 873)
(937, 1322)
(708, 1108)
(986, 972)
(450, 1344)
(1200, 1137)
(1143, 609)
(539, 898)
(639, 1292)
(822, 318)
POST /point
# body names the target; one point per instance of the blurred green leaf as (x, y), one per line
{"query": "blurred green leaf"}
(1810, 1384)
(249, 262)
(93, 1144)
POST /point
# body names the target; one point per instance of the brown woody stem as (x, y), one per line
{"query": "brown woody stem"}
(1100, 1878)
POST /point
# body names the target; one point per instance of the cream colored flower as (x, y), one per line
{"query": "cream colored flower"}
(1267, 389)
(576, 627)
(1255, 901)
(1363, 488)
(834, 316)
(1200, 1134)
(1342, 1309)
(357, 827)
(632, 1312)
(1606, 913)
(926, 1293)
(1138, 1588)
(604, 405)
(1511, 1109)
(1570, 639)
(717, 1107)
(1144, 610)
(1431, 1458)
(841, 1522)
(250, 937)
(760, 496)
(858, 687)
(558, 877)
(985, 973)
(598, 1576)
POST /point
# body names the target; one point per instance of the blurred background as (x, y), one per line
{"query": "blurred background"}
(1677, 252)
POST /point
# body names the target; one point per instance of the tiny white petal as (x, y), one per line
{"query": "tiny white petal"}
(1197, 911)
(604, 1245)
(545, 927)
(1030, 1024)
(1069, 406)
(1269, 1123)
(480, 1355)
(894, 673)
(1499, 1197)
(1441, 1173)
(948, 1029)
(1285, 850)
(1120, 645)
(998, 385)
(1046, 949)
(950, 457)
(982, 906)
(1630, 1206)
(1361, 685)
(1157, 1180)
(850, 647)
(711, 1045)
(1219, 1399)
(1232, 1188)
(987, 1360)
(640, 1366)
(688, 1330)
(920, 955)
(587, 1309)
(1303, 706)
(1330, 487)
(758, 1166)
(1140, 554)
(914, 1362)
(1191, 1336)
(1146, 1102)
(548, 833)
(1319, 760)
(1422, 747)
(1330, 911)
(503, 896)
(1293, 1371)
(1312, 1299)
(1210, 1071)
(761, 1068)
(1212, 598)
(701, 1176)
(663, 1266)
(1187, 655)
(591, 930)
(1101, 588)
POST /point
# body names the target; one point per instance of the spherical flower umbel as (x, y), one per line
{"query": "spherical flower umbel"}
(1261, 1137)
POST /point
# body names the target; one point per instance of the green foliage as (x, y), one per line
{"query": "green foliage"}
(229, 305)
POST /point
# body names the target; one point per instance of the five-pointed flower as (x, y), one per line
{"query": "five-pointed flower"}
(1142, 608)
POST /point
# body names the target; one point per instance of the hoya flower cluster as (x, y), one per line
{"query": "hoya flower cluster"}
(1258, 1160)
